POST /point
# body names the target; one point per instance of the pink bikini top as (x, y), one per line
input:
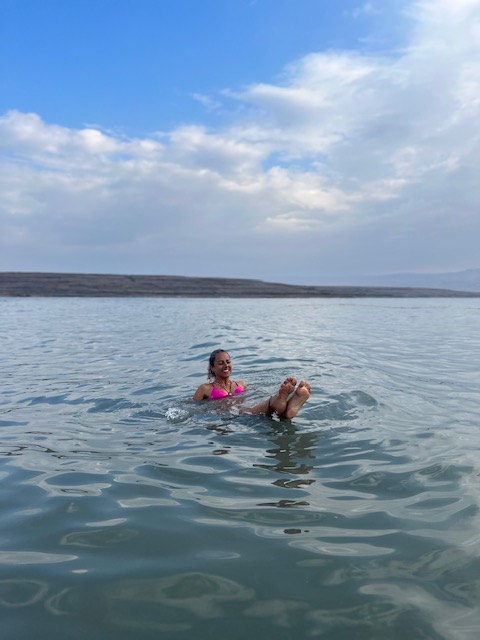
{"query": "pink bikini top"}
(216, 394)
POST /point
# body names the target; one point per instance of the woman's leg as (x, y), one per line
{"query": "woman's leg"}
(277, 403)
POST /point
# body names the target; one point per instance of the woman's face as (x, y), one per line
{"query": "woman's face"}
(222, 366)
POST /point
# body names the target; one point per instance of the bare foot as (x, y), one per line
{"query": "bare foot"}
(279, 401)
(296, 402)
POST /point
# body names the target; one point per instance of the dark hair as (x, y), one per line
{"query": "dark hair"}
(211, 360)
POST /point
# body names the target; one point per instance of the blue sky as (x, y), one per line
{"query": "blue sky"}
(287, 140)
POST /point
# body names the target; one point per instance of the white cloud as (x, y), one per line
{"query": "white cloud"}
(349, 161)
(367, 8)
(207, 101)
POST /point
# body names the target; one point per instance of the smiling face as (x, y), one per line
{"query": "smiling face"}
(222, 365)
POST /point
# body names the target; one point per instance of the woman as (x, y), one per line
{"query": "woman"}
(220, 370)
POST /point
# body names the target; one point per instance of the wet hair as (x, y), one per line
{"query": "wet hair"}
(211, 361)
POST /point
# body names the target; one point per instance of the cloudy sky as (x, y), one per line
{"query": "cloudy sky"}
(286, 140)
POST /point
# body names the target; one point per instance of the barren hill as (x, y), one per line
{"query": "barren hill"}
(97, 285)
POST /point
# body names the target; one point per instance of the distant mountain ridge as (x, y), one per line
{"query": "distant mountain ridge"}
(467, 280)
(21, 284)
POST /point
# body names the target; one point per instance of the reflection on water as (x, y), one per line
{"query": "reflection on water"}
(128, 509)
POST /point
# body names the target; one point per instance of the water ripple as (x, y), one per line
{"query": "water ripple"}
(128, 508)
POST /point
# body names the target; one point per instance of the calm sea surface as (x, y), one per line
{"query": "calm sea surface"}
(128, 511)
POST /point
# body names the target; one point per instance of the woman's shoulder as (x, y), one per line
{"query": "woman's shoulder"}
(203, 391)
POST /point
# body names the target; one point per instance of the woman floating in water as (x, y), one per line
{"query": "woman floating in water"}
(286, 403)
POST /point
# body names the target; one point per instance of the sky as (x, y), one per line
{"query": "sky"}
(297, 141)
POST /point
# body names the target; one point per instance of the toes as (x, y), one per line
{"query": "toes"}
(304, 385)
(289, 384)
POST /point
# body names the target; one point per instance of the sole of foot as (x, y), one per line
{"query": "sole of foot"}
(279, 401)
(296, 402)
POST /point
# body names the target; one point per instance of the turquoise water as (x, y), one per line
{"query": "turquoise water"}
(130, 511)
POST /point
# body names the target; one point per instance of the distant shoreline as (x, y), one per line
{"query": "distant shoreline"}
(68, 285)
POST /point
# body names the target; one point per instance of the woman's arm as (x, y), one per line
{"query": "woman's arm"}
(202, 392)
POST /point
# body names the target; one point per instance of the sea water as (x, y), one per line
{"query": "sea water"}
(130, 511)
